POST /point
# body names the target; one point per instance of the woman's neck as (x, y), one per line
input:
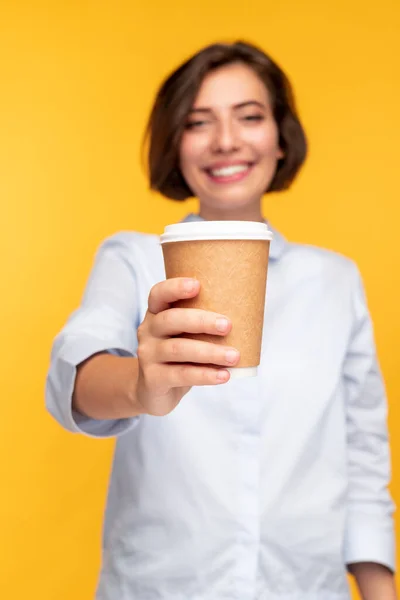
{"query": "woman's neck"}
(250, 213)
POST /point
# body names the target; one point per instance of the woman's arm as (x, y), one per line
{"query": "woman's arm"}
(374, 582)
(105, 388)
(369, 537)
(100, 336)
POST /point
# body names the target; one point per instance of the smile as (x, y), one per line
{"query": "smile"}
(229, 173)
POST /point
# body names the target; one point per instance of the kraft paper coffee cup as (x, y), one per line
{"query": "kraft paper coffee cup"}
(230, 259)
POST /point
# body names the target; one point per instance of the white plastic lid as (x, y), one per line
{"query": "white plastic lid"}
(216, 230)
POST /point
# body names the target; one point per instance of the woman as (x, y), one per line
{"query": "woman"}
(267, 488)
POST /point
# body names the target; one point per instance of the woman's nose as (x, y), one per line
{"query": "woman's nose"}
(226, 138)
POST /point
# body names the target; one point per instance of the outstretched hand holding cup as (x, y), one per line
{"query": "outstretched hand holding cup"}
(170, 363)
(204, 323)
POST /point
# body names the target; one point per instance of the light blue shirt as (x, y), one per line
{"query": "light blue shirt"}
(260, 489)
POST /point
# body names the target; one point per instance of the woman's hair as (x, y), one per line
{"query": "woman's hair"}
(175, 99)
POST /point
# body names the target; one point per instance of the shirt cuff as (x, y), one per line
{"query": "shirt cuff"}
(60, 386)
(370, 539)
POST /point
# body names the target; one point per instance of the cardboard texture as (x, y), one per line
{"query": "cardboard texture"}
(233, 275)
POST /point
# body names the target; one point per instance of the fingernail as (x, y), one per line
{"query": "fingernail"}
(231, 356)
(222, 376)
(221, 324)
(189, 285)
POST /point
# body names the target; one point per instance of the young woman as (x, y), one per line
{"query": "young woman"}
(268, 488)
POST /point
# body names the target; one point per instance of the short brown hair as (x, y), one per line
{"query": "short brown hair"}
(175, 99)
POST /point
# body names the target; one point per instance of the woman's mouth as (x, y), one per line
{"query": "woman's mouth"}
(229, 173)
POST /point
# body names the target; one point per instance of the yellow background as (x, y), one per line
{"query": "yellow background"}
(77, 79)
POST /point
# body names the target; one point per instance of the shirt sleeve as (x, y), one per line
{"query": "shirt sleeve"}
(107, 320)
(369, 528)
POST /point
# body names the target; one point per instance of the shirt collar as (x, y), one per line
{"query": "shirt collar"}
(278, 243)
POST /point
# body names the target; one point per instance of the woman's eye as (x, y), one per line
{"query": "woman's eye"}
(254, 118)
(195, 124)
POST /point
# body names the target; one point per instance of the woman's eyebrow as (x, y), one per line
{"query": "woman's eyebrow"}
(250, 103)
(204, 109)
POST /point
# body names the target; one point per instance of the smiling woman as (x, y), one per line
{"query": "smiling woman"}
(228, 107)
(226, 143)
(272, 487)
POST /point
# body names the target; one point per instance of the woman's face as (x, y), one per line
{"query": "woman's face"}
(229, 149)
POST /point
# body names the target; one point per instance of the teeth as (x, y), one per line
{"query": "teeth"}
(228, 171)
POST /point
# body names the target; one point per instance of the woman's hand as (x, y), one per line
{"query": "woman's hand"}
(168, 365)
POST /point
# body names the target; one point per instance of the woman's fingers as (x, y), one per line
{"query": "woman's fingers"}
(168, 361)
(182, 350)
(175, 321)
(188, 375)
(166, 292)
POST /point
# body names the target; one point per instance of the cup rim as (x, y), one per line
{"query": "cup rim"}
(216, 230)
